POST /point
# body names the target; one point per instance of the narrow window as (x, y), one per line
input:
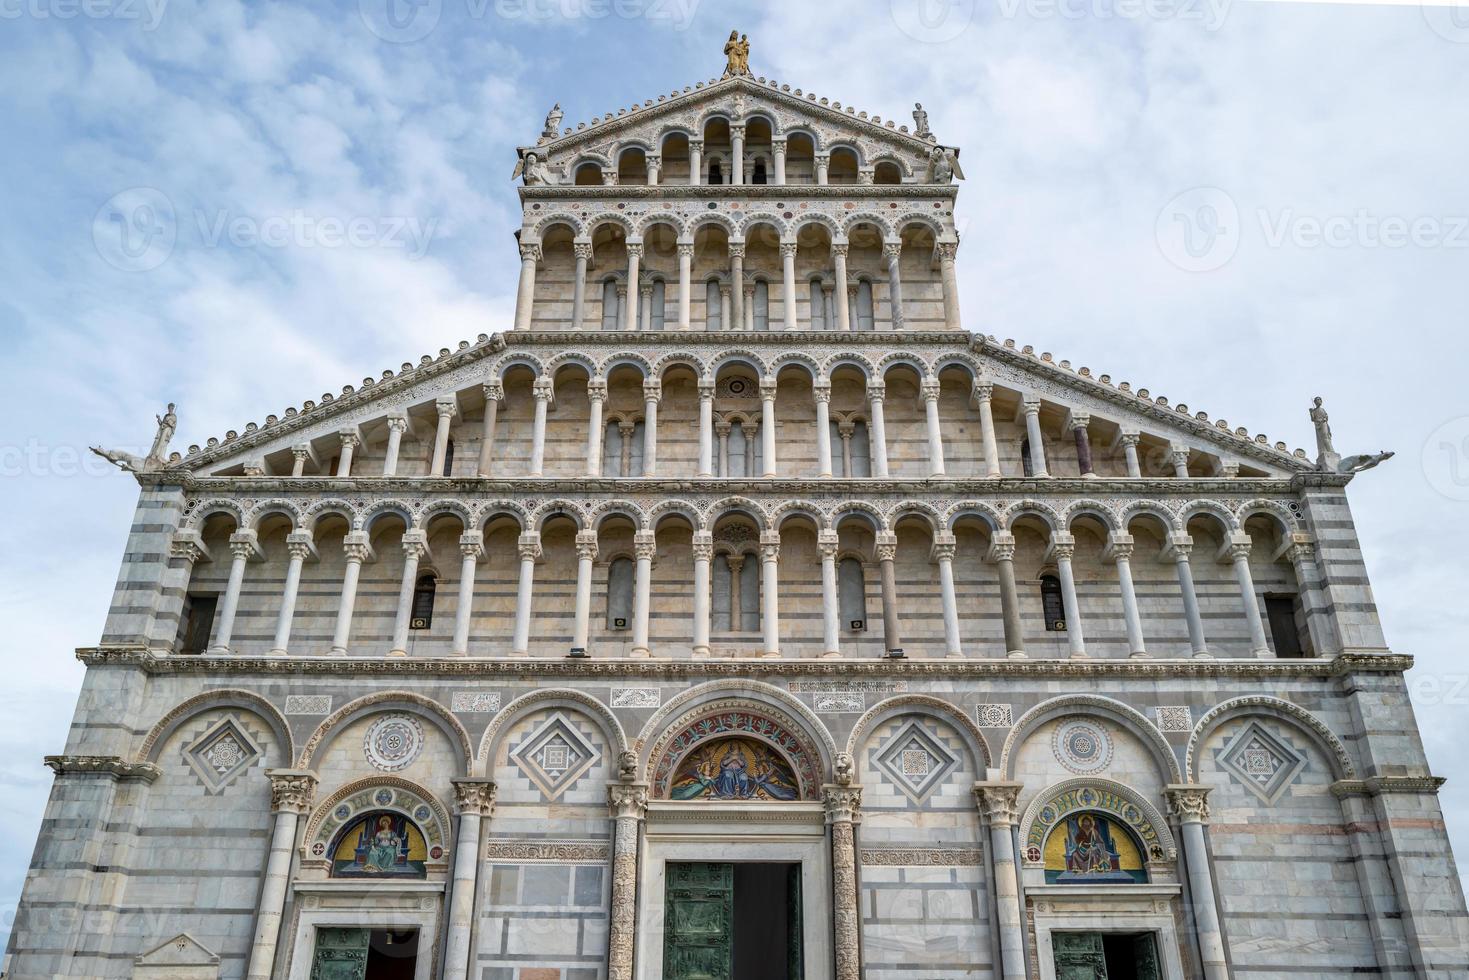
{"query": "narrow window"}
(423, 603)
(1025, 467)
(635, 454)
(657, 304)
(1052, 607)
(612, 451)
(759, 176)
(864, 305)
(838, 458)
(762, 305)
(861, 451)
(720, 605)
(750, 594)
(734, 463)
(619, 594)
(449, 458)
(818, 306)
(852, 595)
(1280, 610)
(716, 172)
(711, 305)
(198, 622)
(609, 305)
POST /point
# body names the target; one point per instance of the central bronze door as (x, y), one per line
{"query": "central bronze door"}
(698, 941)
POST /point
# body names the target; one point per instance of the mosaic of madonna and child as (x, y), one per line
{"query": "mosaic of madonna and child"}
(734, 769)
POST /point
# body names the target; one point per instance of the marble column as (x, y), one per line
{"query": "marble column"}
(1300, 548)
(1179, 456)
(494, 393)
(357, 550)
(887, 555)
(474, 801)
(823, 167)
(736, 616)
(415, 546)
(930, 393)
(596, 398)
(542, 391)
(623, 323)
(586, 554)
(1129, 442)
(300, 547)
(299, 456)
(529, 549)
(778, 150)
(821, 391)
(645, 306)
(1078, 422)
(447, 408)
(1061, 550)
(703, 556)
(948, 251)
(853, 289)
(827, 544)
(770, 593)
(628, 802)
(655, 163)
(828, 307)
(645, 548)
(397, 425)
(843, 803)
(1189, 804)
(583, 253)
(525, 295)
(696, 162)
(722, 429)
(291, 791)
(350, 441)
(1000, 803)
(945, 546)
(1119, 551)
(877, 429)
(983, 394)
(652, 395)
(244, 548)
(471, 550)
(1237, 551)
(788, 284)
(1002, 553)
(626, 429)
(706, 428)
(845, 431)
(634, 283)
(726, 306)
(685, 283)
(737, 292)
(1177, 550)
(1031, 408)
(892, 252)
(750, 307)
(737, 154)
(767, 427)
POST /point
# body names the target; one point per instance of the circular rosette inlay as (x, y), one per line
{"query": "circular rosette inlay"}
(1083, 747)
(393, 742)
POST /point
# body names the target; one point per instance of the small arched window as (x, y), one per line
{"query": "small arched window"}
(609, 305)
(759, 175)
(1026, 468)
(762, 305)
(716, 172)
(657, 304)
(619, 594)
(712, 318)
(864, 305)
(423, 603)
(852, 595)
(1052, 607)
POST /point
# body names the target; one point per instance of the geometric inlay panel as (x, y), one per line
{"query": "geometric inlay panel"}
(221, 754)
(1265, 763)
(393, 742)
(555, 756)
(1174, 718)
(475, 702)
(916, 761)
(994, 715)
(1082, 746)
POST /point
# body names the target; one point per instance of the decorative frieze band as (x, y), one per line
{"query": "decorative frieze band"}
(922, 857)
(547, 851)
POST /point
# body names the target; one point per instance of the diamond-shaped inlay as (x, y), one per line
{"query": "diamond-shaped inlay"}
(1264, 762)
(221, 753)
(555, 756)
(916, 761)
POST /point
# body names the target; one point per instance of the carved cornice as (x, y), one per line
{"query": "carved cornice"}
(1383, 785)
(154, 663)
(108, 766)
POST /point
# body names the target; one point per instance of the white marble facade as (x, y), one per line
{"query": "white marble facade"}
(741, 469)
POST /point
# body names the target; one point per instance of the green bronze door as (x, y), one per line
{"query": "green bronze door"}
(1079, 956)
(699, 923)
(341, 954)
(1145, 955)
(795, 951)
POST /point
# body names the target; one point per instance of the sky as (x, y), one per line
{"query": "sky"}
(236, 207)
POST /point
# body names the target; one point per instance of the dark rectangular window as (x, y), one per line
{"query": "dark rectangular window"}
(423, 604)
(1052, 606)
(1280, 611)
(198, 622)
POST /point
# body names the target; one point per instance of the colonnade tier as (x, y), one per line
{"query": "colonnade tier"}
(1082, 578)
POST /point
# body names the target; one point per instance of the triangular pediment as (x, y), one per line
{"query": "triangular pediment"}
(182, 950)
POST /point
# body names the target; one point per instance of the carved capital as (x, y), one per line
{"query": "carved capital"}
(586, 545)
(892, 251)
(999, 801)
(529, 546)
(472, 545)
(767, 389)
(544, 390)
(787, 250)
(627, 800)
(350, 439)
(357, 548)
(887, 546)
(244, 546)
(930, 390)
(982, 391)
(635, 250)
(703, 546)
(582, 250)
(1002, 547)
(947, 251)
(645, 546)
(597, 390)
(876, 391)
(685, 250)
(291, 790)
(840, 248)
(828, 543)
(494, 391)
(821, 392)
(737, 250)
(945, 547)
(842, 802)
(415, 544)
(652, 392)
(446, 407)
(1188, 802)
(530, 251)
(300, 546)
(475, 796)
(398, 424)
(769, 546)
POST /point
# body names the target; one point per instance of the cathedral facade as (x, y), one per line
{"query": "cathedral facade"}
(741, 611)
